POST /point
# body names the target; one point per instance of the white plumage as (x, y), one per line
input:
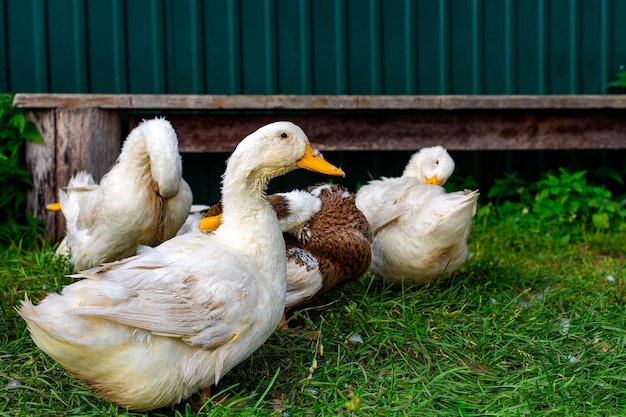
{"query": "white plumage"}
(148, 331)
(142, 200)
(419, 232)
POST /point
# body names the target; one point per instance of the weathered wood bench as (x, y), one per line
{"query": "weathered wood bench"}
(84, 131)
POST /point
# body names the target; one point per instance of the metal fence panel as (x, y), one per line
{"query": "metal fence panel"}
(312, 46)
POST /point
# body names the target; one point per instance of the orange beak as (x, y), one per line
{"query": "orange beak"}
(54, 207)
(432, 180)
(314, 161)
(210, 223)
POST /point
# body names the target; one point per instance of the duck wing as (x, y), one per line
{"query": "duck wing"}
(386, 200)
(438, 215)
(149, 292)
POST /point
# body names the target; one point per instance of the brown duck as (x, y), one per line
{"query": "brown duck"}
(327, 239)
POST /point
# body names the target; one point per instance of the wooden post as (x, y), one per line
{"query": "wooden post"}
(41, 163)
(87, 139)
(75, 139)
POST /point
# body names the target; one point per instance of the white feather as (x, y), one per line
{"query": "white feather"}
(419, 231)
(150, 330)
(142, 200)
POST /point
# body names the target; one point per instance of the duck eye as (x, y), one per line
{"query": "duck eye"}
(283, 135)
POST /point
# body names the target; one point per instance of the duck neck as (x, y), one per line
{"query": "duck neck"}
(411, 171)
(248, 219)
(154, 149)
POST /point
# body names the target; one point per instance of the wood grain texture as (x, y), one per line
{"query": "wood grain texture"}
(87, 139)
(412, 130)
(41, 163)
(83, 131)
(318, 102)
(73, 140)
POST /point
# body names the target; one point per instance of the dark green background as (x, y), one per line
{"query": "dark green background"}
(323, 47)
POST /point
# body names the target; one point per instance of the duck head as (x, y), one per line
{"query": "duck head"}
(431, 165)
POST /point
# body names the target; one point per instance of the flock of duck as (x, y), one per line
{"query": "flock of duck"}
(170, 300)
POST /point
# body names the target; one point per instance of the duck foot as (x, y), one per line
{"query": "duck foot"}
(198, 401)
(282, 324)
(205, 393)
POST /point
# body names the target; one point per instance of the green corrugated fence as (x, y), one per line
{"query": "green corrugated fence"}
(311, 46)
(322, 47)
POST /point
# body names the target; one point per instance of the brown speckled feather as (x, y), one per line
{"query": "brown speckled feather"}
(280, 205)
(339, 237)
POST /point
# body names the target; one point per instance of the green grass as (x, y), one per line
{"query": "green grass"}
(529, 326)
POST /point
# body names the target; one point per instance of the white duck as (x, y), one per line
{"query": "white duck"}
(326, 236)
(419, 232)
(150, 330)
(142, 200)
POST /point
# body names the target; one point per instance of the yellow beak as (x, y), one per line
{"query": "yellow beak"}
(432, 180)
(210, 223)
(314, 161)
(54, 207)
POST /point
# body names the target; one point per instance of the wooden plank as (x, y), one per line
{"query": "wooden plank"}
(317, 102)
(87, 139)
(403, 130)
(41, 163)
(73, 140)
(78, 138)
